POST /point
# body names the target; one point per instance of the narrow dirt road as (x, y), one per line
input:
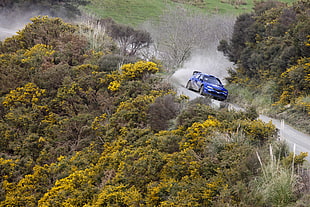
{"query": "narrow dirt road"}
(296, 140)
(4, 33)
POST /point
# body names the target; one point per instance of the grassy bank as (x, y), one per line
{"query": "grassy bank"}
(264, 103)
(135, 12)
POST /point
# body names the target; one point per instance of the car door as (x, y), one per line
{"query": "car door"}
(196, 82)
(199, 81)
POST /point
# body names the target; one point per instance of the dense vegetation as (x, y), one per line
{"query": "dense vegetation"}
(77, 130)
(271, 50)
(85, 122)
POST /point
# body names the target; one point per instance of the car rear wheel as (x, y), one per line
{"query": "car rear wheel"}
(188, 85)
(201, 91)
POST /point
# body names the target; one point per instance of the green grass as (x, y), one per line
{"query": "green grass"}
(131, 12)
(135, 12)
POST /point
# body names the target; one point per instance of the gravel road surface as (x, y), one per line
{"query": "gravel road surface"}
(296, 140)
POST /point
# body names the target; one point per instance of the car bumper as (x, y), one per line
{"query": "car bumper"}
(216, 94)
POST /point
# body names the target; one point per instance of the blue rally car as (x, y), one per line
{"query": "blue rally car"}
(207, 85)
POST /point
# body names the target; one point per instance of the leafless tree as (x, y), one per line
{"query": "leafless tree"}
(179, 32)
(129, 39)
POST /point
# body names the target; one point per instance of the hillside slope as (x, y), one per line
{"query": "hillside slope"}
(135, 12)
(78, 128)
(75, 133)
(271, 49)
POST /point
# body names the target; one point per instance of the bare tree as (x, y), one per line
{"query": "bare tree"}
(129, 39)
(179, 32)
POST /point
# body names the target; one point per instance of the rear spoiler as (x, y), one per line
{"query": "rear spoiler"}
(195, 72)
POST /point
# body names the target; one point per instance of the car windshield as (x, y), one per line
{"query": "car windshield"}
(212, 80)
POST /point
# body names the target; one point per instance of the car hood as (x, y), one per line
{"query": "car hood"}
(217, 86)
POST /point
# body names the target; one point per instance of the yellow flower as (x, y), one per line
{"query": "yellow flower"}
(114, 85)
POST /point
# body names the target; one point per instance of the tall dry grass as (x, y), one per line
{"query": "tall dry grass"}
(280, 185)
(96, 34)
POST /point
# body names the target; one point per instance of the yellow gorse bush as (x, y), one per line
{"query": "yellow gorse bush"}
(120, 195)
(303, 102)
(87, 67)
(131, 71)
(139, 102)
(298, 77)
(22, 194)
(138, 69)
(78, 184)
(114, 85)
(35, 55)
(7, 167)
(28, 94)
(197, 134)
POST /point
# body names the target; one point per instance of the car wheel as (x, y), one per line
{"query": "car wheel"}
(188, 85)
(201, 91)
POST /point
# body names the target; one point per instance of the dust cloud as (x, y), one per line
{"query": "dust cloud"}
(6, 32)
(208, 61)
(13, 20)
(10, 24)
(206, 58)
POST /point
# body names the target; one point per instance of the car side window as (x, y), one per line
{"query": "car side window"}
(219, 81)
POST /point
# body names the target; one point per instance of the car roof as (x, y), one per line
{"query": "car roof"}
(198, 72)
